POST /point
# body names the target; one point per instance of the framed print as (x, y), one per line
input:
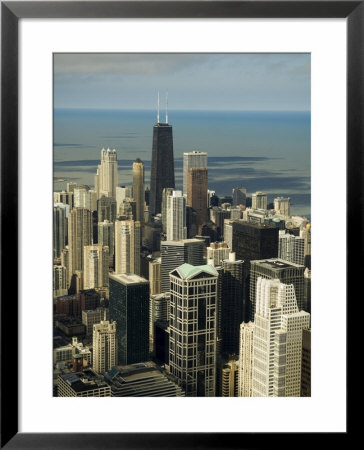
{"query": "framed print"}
(46, 46)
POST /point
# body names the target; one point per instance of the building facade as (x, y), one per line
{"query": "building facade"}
(129, 308)
(277, 340)
(246, 359)
(106, 178)
(79, 235)
(96, 266)
(104, 346)
(282, 206)
(106, 237)
(176, 216)
(176, 253)
(192, 343)
(194, 159)
(197, 193)
(162, 172)
(127, 246)
(138, 189)
(259, 200)
(291, 248)
(275, 268)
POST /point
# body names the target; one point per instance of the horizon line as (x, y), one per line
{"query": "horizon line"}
(178, 109)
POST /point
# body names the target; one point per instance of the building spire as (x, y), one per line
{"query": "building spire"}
(167, 107)
(158, 109)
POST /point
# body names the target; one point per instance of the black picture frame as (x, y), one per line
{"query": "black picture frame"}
(11, 12)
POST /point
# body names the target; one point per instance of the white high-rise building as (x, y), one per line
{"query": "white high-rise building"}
(106, 178)
(291, 248)
(96, 266)
(122, 192)
(282, 206)
(228, 232)
(305, 233)
(127, 247)
(259, 200)
(176, 217)
(277, 340)
(193, 159)
(104, 346)
(246, 359)
(192, 342)
(218, 251)
(84, 197)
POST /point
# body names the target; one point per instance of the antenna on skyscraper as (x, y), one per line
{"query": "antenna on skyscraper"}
(158, 109)
(167, 107)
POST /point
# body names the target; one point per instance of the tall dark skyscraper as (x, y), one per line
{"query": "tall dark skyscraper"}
(252, 241)
(162, 174)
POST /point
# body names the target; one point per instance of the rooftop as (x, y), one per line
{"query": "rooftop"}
(188, 271)
(83, 381)
(276, 263)
(180, 242)
(128, 278)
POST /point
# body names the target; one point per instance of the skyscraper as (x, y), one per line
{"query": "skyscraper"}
(176, 253)
(230, 378)
(306, 364)
(282, 206)
(127, 246)
(239, 196)
(84, 197)
(192, 159)
(218, 251)
(158, 310)
(291, 248)
(96, 266)
(232, 307)
(106, 178)
(275, 268)
(138, 189)
(59, 228)
(252, 241)
(162, 173)
(106, 208)
(192, 345)
(165, 193)
(129, 307)
(259, 200)
(246, 359)
(106, 237)
(104, 346)
(79, 235)
(197, 193)
(155, 276)
(176, 216)
(60, 286)
(277, 340)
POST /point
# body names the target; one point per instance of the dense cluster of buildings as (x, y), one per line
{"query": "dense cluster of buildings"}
(164, 292)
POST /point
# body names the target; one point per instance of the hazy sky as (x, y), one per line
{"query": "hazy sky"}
(193, 81)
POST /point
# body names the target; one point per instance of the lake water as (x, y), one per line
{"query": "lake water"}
(266, 151)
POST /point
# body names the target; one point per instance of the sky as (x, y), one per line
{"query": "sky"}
(245, 82)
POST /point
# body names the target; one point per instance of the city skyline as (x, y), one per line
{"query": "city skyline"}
(158, 282)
